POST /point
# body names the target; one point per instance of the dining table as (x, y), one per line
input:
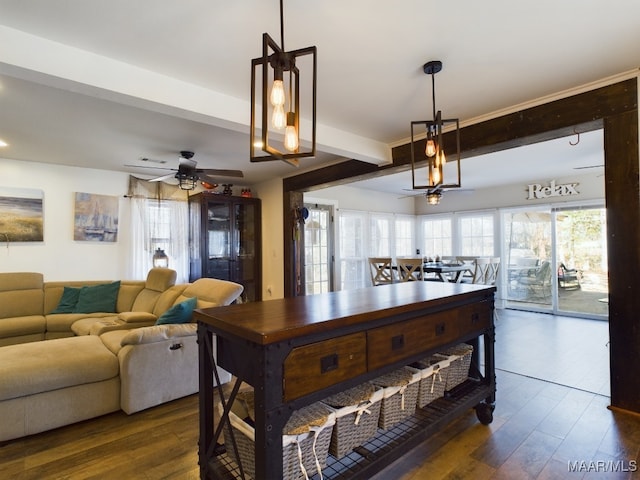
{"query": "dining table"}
(446, 272)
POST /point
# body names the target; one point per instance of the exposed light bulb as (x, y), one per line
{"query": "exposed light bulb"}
(291, 133)
(436, 176)
(278, 118)
(277, 93)
(430, 149)
(443, 159)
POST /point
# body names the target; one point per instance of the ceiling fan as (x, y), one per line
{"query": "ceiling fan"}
(433, 195)
(187, 174)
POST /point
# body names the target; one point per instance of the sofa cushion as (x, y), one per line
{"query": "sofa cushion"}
(20, 294)
(98, 298)
(68, 301)
(36, 367)
(179, 313)
(21, 329)
(168, 298)
(158, 280)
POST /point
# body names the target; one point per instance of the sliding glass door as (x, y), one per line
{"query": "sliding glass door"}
(556, 261)
(581, 261)
(528, 256)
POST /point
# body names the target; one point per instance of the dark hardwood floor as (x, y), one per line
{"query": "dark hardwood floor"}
(541, 429)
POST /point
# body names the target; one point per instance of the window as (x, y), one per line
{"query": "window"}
(158, 222)
(353, 273)
(380, 235)
(404, 236)
(477, 236)
(437, 237)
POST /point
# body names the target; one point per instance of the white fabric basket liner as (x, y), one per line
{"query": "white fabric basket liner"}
(250, 433)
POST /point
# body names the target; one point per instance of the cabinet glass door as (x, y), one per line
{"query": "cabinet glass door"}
(245, 216)
(218, 240)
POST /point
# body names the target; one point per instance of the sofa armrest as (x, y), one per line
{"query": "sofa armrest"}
(158, 333)
(133, 317)
(157, 364)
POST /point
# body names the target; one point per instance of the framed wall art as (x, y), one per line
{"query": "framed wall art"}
(21, 218)
(95, 218)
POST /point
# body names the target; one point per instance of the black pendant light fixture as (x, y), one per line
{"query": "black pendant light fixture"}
(432, 147)
(280, 99)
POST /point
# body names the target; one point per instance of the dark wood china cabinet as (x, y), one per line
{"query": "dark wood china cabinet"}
(225, 240)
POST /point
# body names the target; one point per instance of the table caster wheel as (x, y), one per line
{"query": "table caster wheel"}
(484, 412)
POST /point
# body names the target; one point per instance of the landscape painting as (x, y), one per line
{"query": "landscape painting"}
(96, 218)
(21, 217)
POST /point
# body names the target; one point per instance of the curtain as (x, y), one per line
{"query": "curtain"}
(159, 219)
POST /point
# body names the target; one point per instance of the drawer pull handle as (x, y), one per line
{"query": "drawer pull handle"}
(475, 318)
(397, 342)
(328, 363)
(440, 329)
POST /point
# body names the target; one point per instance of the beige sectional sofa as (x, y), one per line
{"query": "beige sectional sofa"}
(60, 368)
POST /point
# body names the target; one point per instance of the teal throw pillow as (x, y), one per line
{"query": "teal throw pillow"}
(179, 313)
(98, 298)
(68, 301)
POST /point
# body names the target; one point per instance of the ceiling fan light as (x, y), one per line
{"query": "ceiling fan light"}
(433, 198)
(187, 181)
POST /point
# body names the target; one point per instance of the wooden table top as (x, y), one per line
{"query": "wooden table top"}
(272, 321)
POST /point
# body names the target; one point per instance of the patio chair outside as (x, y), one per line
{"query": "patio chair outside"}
(538, 284)
(568, 278)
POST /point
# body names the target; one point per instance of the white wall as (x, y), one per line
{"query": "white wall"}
(59, 256)
(270, 194)
(352, 198)
(591, 187)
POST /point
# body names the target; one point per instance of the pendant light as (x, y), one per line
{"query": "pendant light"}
(432, 147)
(276, 104)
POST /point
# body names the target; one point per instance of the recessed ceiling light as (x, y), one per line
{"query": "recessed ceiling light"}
(3, 143)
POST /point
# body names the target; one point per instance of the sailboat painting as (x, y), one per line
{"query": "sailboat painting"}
(96, 218)
(21, 215)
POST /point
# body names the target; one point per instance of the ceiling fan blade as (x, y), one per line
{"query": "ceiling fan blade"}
(152, 168)
(164, 178)
(221, 173)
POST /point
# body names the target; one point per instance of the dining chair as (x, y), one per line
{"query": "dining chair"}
(486, 270)
(467, 275)
(410, 269)
(380, 270)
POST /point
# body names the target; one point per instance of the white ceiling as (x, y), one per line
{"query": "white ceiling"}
(104, 84)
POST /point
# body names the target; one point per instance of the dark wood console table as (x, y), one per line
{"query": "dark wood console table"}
(299, 350)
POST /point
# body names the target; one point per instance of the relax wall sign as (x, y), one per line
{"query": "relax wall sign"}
(537, 191)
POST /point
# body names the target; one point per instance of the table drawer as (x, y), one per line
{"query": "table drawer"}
(400, 340)
(319, 365)
(474, 318)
